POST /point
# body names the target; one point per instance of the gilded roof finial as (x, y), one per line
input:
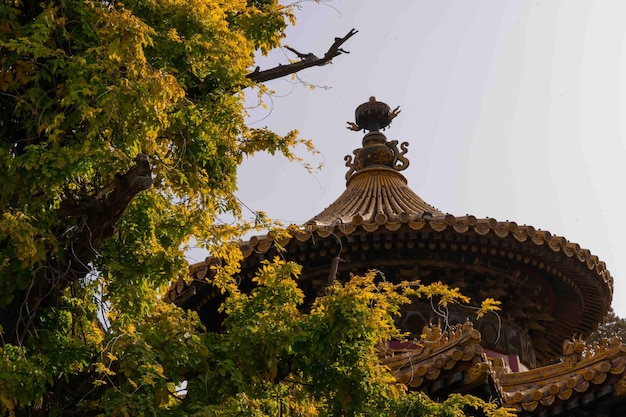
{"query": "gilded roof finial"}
(374, 116)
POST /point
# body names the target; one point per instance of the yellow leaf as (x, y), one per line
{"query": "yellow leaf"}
(103, 369)
(488, 304)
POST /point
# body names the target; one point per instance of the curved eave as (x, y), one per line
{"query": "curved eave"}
(577, 381)
(586, 284)
(443, 224)
(453, 357)
(587, 377)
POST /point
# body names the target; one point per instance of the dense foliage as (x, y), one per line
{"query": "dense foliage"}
(121, 129)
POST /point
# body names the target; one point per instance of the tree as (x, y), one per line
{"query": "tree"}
(612, 326)
(121, 128)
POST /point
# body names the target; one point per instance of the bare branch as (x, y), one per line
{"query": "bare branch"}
(307, 60)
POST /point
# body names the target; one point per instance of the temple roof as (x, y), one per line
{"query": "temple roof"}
(377, 197)
(586, 374)
(549, 286)
(588, 377)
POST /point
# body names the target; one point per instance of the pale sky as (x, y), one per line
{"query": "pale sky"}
(513, 109)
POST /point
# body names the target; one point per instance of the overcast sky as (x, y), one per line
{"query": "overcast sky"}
(514, 109)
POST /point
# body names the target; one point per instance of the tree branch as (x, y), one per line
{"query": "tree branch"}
(102, 214)
(306, 61)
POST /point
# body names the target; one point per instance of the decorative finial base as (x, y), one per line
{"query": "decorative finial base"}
(376, 151)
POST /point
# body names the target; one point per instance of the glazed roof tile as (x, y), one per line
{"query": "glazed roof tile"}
(375, 196)
(586, 373)
(419, 364)
(439, 223)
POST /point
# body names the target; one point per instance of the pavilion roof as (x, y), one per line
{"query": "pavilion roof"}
(452, 360)
(586, 374)
(379, 210)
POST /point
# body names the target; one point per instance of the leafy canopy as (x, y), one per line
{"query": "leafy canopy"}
(86, 245)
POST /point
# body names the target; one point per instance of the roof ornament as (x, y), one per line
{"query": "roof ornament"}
(374, 116)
